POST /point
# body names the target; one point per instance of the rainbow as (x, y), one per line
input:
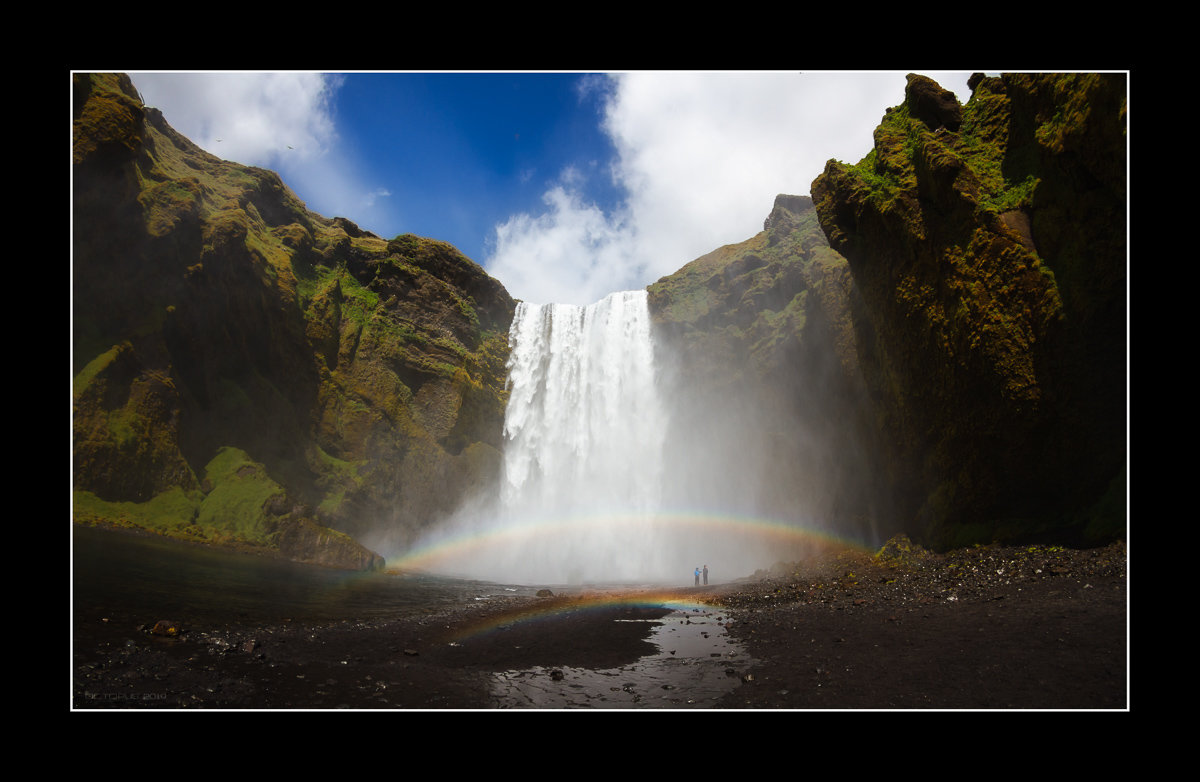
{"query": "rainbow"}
(549, 609)
(447, 554)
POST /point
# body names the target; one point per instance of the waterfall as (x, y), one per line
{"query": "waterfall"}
(584, 431)
(591, 491)
(584, 427)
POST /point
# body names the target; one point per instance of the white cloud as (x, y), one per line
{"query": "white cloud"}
(281, 121)
(259, 119)
(701, 157)
(571, 253)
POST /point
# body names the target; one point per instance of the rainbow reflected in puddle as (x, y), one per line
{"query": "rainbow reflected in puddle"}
(697, 665)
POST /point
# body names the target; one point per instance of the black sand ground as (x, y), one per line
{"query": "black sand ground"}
(985, 628)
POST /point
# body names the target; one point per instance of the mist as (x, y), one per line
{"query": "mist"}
(614, 471)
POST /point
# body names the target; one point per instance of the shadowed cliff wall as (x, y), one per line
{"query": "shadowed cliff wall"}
(988, 244)
(251, 373)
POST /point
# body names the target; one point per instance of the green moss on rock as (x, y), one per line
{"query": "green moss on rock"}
(992, 357)
(215, 314)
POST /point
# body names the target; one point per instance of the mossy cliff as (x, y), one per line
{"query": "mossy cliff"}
(249, 372)
(759, 343)
(988, 244)
(934, 343)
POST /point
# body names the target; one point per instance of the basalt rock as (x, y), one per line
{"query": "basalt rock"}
(235, 351)
(988, 245)
(929, 102)
(166, 628)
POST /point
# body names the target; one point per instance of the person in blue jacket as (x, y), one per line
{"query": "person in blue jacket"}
(697, 576)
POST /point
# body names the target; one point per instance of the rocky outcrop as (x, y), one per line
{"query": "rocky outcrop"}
(987, 243)
(249, 372)
(303, 540)
(758, 341)
(951, 362)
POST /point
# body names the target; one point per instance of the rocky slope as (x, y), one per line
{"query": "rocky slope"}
(248, 372)
(988, 244)
(759, 341)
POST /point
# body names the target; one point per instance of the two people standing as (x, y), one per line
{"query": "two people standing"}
(705, 576)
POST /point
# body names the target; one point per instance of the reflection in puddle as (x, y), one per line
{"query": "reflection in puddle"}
(696, 664)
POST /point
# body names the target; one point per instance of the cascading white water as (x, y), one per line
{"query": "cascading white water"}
(584, 431)
(588, 472)
(584, 426)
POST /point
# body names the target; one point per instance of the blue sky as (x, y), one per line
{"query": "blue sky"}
(565, 186)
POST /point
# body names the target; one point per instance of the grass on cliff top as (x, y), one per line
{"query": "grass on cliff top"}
(887, 168)
(692, 293)
(181, 182)
(685, 295)
(1007, 174)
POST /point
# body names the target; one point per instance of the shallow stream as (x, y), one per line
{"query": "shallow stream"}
(695, 665)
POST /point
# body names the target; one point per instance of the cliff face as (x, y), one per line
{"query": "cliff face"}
(988, 244)
(249, 372)
(769, 405)
(933, 343)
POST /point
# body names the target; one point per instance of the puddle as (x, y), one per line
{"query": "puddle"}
(696, 664)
